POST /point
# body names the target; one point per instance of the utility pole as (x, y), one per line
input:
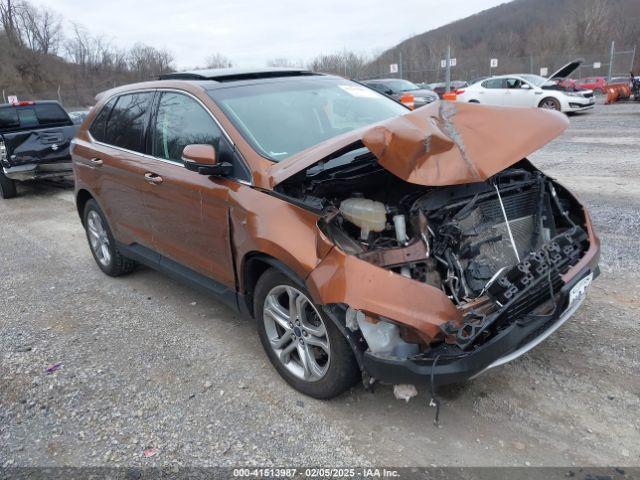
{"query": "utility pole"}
(530, 63)
(447, 71)
(613, 52)
(633, 58)
(400, 64)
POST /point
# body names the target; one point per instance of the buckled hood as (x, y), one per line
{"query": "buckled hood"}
(443, 143)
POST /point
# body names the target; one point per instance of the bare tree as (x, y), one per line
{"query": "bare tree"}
(218, 60)
(346, 64)
(9, 13)
(41, 28)
(146, 61)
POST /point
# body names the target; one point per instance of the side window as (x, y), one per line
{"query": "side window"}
(494, 83)
(513, 83)
(51, 114)
(182, 121)
(126, 124)
(99, 123)
(9, 118)
(27, 117)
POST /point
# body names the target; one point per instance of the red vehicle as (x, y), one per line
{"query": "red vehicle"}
(597, 84)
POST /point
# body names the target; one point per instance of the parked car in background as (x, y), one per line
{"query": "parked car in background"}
(528, 90)
(369, 242)
(34, 143)
(440, 88)
(78, 116)
(597, 84)
(397, 88)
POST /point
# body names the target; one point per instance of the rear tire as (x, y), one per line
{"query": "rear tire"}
(550, 103)
(303, 345)
(102, 244)
(7, 187)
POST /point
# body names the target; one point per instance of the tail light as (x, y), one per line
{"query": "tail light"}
(24, 103)
(459, 92)
(408, 100)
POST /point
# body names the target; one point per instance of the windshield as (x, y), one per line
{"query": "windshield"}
(284, 117)
(535, 80)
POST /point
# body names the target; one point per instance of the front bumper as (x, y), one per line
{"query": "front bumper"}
(507, 345)
(576, 104)
(39, 171)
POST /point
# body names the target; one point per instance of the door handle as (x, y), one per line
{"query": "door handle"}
(96, 162)
(153, 178)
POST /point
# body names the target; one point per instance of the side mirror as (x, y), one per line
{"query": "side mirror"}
(388, 91)
(201, 158)
(525, 86)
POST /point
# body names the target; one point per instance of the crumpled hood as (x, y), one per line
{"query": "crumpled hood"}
(443, 143)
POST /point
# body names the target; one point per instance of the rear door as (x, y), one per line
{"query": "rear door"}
(112, 164)
(188, 212)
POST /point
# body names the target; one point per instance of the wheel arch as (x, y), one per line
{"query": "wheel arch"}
(82, 197)
(253, 266)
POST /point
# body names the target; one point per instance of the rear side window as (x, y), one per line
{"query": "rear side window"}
(27, 117)
(99, 124)
(126, 124)
(9, 118)
(494, 83)
(182, 121)
(51, 114)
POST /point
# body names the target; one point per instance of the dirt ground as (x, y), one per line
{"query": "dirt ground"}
(145, 362)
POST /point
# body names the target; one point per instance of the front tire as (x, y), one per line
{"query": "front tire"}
(550, 103)
(102, 244)
(302, 344)
(7, 186)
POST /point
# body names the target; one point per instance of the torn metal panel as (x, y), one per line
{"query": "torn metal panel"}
(342, 278)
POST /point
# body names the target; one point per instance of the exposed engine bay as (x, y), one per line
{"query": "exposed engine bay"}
(497, 248)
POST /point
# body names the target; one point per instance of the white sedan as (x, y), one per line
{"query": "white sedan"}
(527, 90)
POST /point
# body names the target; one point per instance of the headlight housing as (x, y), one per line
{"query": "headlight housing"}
(573, 94)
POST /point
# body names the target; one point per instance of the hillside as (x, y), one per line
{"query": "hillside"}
(524, 35)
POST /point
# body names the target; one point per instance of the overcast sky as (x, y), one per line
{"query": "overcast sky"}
(251, 32)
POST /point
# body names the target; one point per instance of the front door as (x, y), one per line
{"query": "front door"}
(188, 212)
(492, 91)
(518, 93)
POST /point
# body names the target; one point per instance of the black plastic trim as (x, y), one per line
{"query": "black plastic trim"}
(173, 269)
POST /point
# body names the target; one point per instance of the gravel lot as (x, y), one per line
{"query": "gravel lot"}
(147, 363)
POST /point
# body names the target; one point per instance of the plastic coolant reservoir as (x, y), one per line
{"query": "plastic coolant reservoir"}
(369, 215)
(384, 337)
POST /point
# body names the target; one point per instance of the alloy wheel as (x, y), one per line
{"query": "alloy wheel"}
(296, 333)
(550, 104)
(98, 238)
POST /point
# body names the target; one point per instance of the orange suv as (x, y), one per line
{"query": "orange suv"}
(368, 241)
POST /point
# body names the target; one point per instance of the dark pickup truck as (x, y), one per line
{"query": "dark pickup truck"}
(34, 143)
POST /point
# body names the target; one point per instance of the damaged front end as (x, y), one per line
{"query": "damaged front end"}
(443, 272)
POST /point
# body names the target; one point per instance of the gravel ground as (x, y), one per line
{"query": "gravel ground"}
(142, 363)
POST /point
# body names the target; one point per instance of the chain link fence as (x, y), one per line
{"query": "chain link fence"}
(468, 68)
